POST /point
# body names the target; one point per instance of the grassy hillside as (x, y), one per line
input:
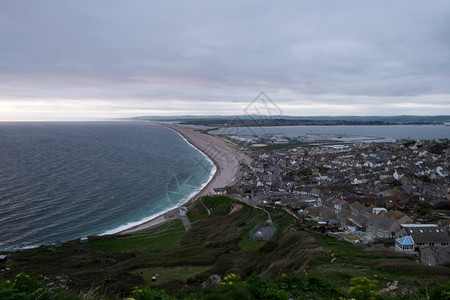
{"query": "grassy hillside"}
(217, 244)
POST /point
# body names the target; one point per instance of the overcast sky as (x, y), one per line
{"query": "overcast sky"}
(84, 59)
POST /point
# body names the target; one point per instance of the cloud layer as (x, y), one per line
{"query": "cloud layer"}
(98, 59)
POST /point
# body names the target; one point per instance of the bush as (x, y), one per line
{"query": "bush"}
(311, 286)
(23, 288)
(440, 292)
(232, 287)
(261, 288)
(364, 288)
(26, 287)
(145, 293)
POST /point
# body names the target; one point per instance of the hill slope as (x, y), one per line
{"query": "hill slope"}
(217, 244)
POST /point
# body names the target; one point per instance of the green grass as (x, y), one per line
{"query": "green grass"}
(198, 217)
(181, 273)
(216, 244)
(342, 248)
(218, 205)
(248, 244)
(197, 211)
(159, 239)
(222, 229)
(345, 260)
(341, 273)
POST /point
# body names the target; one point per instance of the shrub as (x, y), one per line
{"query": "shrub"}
(440, 292)
(261, 288)
(145, 293)
(311, 286)
(24, 287)
(364, 288)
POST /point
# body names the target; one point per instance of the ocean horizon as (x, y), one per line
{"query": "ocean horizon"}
(60, 181)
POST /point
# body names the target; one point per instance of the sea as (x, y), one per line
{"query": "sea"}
(60, 181)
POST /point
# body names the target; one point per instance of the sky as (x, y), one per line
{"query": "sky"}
(92, 60)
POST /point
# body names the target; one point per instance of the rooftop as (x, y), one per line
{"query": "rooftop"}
(407, 240)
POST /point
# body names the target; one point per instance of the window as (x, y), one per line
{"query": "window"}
(444, 244)
(431, 262)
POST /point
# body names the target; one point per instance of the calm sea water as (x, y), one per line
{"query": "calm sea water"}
(61, 181)
(359, 132)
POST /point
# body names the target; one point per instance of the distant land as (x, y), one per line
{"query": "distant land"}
(279, 120)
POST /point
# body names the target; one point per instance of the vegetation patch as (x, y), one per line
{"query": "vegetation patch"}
(345, 260)
(218, 205)
(164, 275)
(248, 244)
(197, 211)
(293, 264)
(158, 239)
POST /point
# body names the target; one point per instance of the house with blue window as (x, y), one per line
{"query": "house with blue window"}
(405, 244)
(425, 235)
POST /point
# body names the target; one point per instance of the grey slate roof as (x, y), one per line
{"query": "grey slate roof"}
(343, 216)
(327, 214)
(428, 234)
(381, 221)
(440, 255)
(359, 220)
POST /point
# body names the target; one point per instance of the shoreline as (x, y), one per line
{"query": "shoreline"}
(224, 156)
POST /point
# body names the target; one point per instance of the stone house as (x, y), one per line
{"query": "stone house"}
(382, 226)
(359, 222)
(425, 235)
(435, 256)
(339, 205)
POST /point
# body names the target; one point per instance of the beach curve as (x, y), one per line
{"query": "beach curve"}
(223, 153)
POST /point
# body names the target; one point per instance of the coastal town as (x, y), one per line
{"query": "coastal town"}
(319, 207)
(394, 195)
(250, 150)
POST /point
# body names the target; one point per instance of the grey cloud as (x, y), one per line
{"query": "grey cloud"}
(229, 50)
